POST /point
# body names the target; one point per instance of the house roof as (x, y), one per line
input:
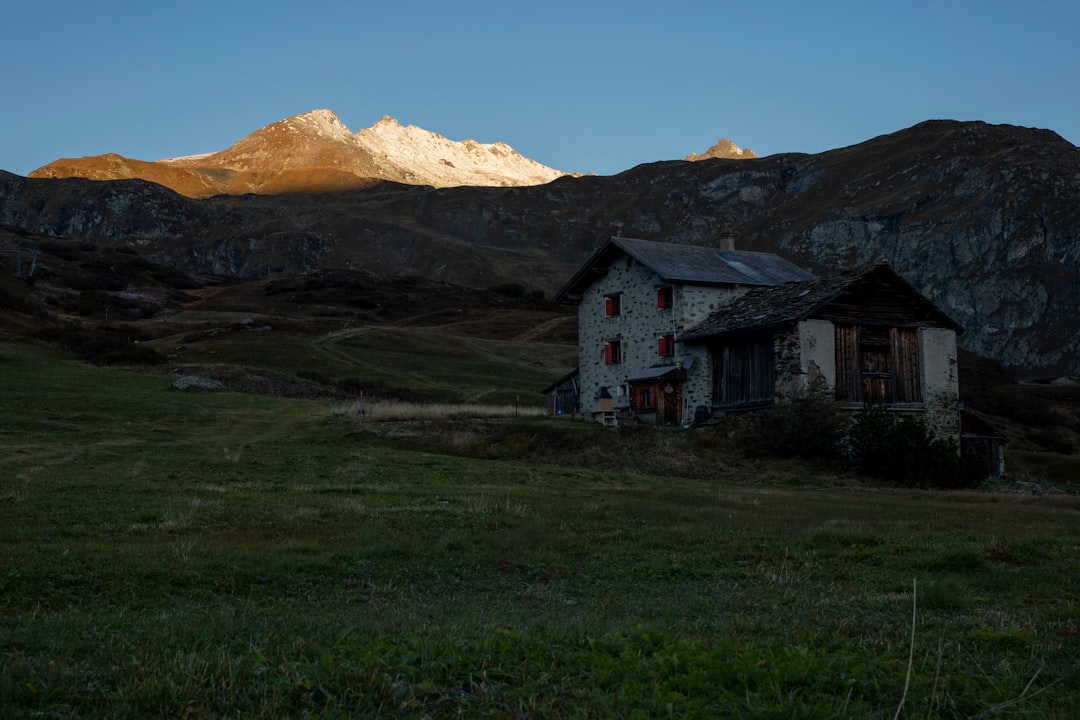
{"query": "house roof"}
(662, 371)
(564, 379)
(686, 264)
(975, 425)
(770, 307)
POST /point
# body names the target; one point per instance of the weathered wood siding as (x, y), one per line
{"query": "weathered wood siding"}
(877, 364)
(906, 368)
(745, 372)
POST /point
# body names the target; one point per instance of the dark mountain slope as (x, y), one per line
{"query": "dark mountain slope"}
(982, 218)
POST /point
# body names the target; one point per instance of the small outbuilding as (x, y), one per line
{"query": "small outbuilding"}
(562, 395)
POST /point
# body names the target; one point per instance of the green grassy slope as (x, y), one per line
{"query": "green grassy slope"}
(417, 362)
(213, 555)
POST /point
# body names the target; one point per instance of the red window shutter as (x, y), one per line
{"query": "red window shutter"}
(667, 345)
(665, 297)
(609, 351)
(609, 306)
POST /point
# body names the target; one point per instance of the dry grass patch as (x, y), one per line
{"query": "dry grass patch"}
(400, 411)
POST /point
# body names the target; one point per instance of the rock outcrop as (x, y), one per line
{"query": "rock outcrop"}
(726, 149)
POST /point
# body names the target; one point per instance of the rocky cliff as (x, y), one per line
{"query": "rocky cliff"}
(984, 219)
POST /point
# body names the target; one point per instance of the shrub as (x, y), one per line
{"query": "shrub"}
(89, 283)
(105, 346)
(16, 296)
(510, 290)
(1051, 440)
(809, 426)
(904, 451)
(131, 355)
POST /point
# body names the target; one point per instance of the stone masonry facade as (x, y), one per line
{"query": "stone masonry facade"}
(636, 327)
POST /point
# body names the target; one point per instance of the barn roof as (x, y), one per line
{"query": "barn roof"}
(686, 264)
(770, 307)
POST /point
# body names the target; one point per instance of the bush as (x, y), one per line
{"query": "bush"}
(1051, 440)
(510, 290)
(105, 346)
(131, 355)
(904, 451)
(89, 283)
(810, 426)
(16, 296)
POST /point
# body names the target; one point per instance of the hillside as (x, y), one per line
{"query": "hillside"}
(331, 333)
(981, 218)
(336, 333)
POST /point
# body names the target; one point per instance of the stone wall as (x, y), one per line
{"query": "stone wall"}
(638, 327)
(805, 358)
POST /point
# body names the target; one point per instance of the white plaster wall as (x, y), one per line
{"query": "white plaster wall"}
(941, 381)
(938, 350)
(697, 390)
(817, 343)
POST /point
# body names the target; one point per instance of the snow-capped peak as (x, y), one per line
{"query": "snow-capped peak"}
(322, 122)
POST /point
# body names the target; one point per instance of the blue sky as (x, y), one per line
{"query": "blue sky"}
(579, 86)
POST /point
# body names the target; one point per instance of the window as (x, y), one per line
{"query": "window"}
(644, 397)
(613, 352)
(665, 297)
(613, 305)
(877, 364)
(745, 372)
(666, 345)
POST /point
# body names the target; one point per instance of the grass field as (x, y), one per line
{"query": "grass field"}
(166, 554)
(431, 364)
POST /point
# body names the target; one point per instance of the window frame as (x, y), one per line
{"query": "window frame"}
(878, 364)
(643, 397)
(666, 345)
(613, 352)
(613, 305)
(665, 297)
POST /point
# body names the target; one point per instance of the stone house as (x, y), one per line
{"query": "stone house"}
(673, 334)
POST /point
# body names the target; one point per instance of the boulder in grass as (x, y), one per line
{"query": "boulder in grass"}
(192, 382)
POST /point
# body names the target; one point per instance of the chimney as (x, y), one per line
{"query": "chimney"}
(725, 240)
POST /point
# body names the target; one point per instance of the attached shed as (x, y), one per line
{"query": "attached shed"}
(563, 395)
(980, 442)
(867, 335)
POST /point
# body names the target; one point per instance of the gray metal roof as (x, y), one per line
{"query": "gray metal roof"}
(688, 264)
(707, 265)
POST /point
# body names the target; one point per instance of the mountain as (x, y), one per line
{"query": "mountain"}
(723, 148)
(316, 152)
(981, 218)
